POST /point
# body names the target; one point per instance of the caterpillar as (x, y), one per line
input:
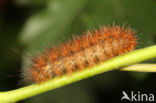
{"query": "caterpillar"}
(81, 52)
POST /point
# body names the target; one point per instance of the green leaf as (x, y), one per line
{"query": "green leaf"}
(50, 24)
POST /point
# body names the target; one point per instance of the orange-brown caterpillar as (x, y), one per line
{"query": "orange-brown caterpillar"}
(80, 52)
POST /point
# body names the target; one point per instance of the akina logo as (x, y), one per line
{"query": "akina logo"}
(137, 96)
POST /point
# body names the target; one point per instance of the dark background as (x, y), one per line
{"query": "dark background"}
(28, 26)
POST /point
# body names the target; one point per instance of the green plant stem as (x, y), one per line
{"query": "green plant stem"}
(140, 68)
(123, 60)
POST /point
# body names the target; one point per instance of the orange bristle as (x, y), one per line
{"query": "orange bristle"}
(82, 51)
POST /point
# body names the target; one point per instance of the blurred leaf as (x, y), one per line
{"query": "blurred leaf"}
(48, 25)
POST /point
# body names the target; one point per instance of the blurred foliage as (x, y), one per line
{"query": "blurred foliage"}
(29, 26)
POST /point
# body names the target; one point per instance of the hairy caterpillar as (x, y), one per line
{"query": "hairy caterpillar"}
(82, 51)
